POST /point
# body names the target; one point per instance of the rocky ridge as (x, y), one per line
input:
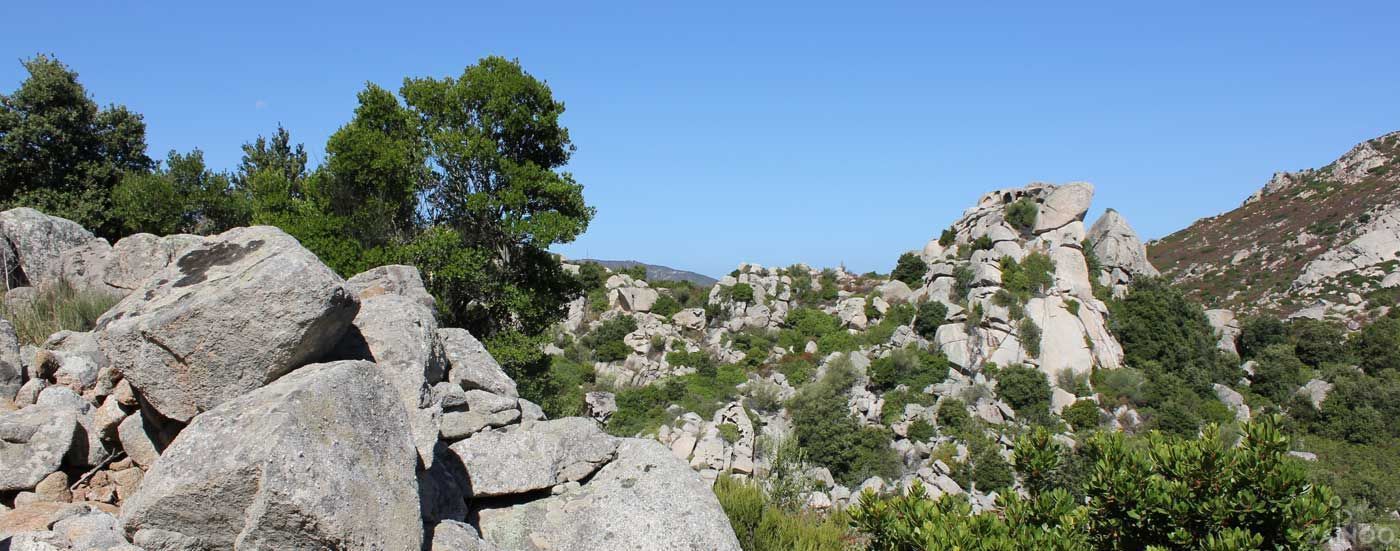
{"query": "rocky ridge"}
(240, 395)
(1318, 243)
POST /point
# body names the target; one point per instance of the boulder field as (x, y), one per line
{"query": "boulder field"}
(241, 395)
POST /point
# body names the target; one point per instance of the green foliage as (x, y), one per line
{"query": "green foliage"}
(1034, 274)
(642, 410)
(182, 197)
(763, 525)
(831, 437)
(1022, 214)
(920, 430)
(60, 153)
(947, 238)
(895, 400)
(1358, 473)
(592, 275)
(910, 269)
(911, 367)
(798, 368)
(606, 339)
(1360, 408)
(985, 470)
(665, 305)
(1024, 388)
(1082, 415)
(952, 416)
(1377, 346)
(729, 432)
(1162, 332)
(1157, 492)
(1278, 372)
(931, 316)
(1260, 332)
(1317, 342)
(741, 292)
(1028, 334)
(962, 281)
(563, 387)
(58, 307)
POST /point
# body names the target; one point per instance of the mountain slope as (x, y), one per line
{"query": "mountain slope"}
(656, 272)
(1319, 242)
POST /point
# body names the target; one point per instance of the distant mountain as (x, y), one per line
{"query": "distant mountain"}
(1319, 242)
(655, 272)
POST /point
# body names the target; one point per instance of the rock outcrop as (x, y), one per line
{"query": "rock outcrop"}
(1122, 255)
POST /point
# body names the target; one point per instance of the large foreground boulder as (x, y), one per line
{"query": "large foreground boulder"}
(33, 443)
(643, 499)
(320, 459)
(542, 455)
(229, 316)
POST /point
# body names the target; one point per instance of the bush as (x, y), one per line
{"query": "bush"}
(1278, 373)
(1022, 214)
(947, 238)
(762, 525)
(920, 430)
(825, 429)
(57, 307)
(952, 416)
(606, 340)
(985, 470)
(1029, 337)
(741, 292)
(1156, 492)
(1082, 415)
(962, 281)
(1034, 274)
(1317, 342)
(910, 269)
(729, 432)
(931, 316)
(1260, 332)
(666, 305)
(798, 368)
(1377, 346)
(908, 366)
(895, 400)
(564, 387)
(1024, 388)
(1163, 332)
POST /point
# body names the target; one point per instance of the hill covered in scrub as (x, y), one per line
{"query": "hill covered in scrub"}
(655, 272)
(1320, 242)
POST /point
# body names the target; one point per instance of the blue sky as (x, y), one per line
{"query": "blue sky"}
(718, 132)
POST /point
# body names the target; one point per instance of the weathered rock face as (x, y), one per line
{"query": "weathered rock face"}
(38, 241)
(33, 444)
(643, 499)
(985, 323)
(11, 368)
(471, 366)
(1226, 327)
(541, 456)
(231, 315)
(1121, 254)
(319, 459)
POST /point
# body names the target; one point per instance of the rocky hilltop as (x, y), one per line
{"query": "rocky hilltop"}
(1319, 243)
(1018, 282)
(241, 395)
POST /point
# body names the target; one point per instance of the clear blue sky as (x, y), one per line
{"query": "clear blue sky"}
(711, 133)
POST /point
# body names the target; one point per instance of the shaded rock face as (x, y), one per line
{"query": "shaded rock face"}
(11, 367)
(231, 315)
(643, 499)
(471, 366)
(320, 459)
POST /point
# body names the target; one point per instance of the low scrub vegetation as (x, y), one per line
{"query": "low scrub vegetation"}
(55, 308)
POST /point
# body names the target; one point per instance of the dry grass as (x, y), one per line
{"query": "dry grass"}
(56, 308)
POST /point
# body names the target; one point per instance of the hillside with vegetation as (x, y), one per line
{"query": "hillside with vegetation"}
(1321, 242)
(380, 352)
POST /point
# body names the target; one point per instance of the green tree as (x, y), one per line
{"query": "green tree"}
(1164, 332)
(1024, 388)
(910, 269)
(495, 144)
(1377, 346)
(60, 153)
(930, 317)
(183, 196)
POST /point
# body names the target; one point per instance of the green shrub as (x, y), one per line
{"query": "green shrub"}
(1277, 373)
(985, 469)
(1082, 415)
(1024, 388)
(983, 243)
(564, 387)
(952, 416)
(592, 275)
(606, 340)
(908, 366)
(1028, 335)
(642, 410)
(1377, 346)
(729, 432)
(1032, 275)
(1122, 384)
(910, 269)
(798, 368)
(825, 429)
(1260, 332)
(762, 525)
(1318, 342)
(741, 292)
(962, 281)
(1022, 214)
(666, 305)
(57, 307)
(1156, 492)
(895, 400)
(947, 238)
(931, 316)
(840, 341)
(920, 430)
(1163, 332)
